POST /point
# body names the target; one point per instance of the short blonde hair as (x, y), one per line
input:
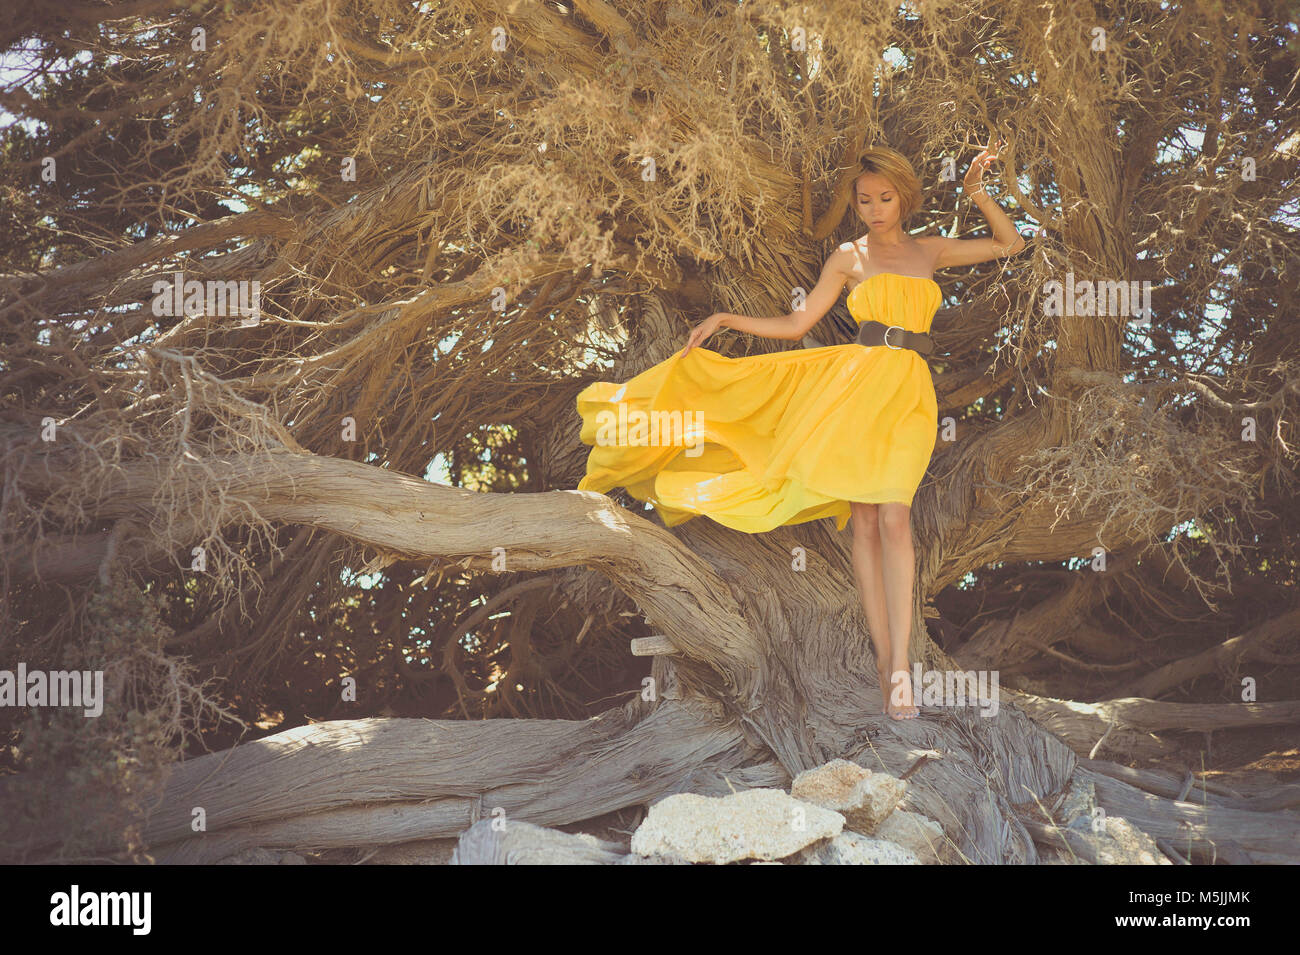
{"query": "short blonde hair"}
(894, 166)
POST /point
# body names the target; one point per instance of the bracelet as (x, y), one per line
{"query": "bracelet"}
(978, 192)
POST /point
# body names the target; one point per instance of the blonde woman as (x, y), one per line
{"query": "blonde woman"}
(844, 431)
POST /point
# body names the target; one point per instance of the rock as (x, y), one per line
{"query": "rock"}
(865, 799)
(1125, 844)
(1115, 841)
(1077, 809)
(765, 824)
(918, 834)
(633, 859)
(522, 843)
(854, 848)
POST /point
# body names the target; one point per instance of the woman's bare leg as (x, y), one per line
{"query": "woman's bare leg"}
(871, 586)
(899, 572)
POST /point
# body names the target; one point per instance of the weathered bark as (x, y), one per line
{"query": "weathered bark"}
(1250, 645)
(1006, 643)
(767, 660)
(384, 781)
(380, 782)
(1129, 726)
(377, 782)
(1201, 831)
(455, 294)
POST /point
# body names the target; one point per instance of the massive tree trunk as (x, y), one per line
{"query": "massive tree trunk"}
(371, 485)
(764, 672)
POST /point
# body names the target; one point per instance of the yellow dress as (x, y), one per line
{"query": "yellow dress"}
(766, 440)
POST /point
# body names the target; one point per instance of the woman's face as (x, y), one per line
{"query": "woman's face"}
(877, 202)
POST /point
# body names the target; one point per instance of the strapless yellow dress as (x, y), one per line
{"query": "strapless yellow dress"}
(784, 438)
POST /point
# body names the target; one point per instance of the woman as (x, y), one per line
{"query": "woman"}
(842, 431)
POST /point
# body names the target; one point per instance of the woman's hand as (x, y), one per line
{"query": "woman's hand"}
(974, 181)
(703, 330)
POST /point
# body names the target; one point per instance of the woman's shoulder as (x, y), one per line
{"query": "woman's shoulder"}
(844, 257)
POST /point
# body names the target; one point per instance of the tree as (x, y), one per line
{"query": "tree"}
(330, 484)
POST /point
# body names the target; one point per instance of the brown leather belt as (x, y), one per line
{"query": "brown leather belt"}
(871, 333)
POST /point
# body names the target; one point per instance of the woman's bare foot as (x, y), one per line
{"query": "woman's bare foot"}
(900, 697)
(882, 671)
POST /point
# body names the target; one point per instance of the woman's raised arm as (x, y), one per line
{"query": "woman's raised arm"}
(1006, 241)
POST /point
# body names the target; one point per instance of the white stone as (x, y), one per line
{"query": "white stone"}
(1126, 844)
(523, 843)
(755, 824)
(854, 848)
(919, 834)
(865, 799)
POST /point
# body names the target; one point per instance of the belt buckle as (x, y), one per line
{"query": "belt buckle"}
(886, 337)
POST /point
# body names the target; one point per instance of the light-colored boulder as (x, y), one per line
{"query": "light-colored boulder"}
(755, 824)
(919, 834)
(633, 859)
(854, 848)
(522, 843)
(1125, 844)
(1109, 840)
(865, 799)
